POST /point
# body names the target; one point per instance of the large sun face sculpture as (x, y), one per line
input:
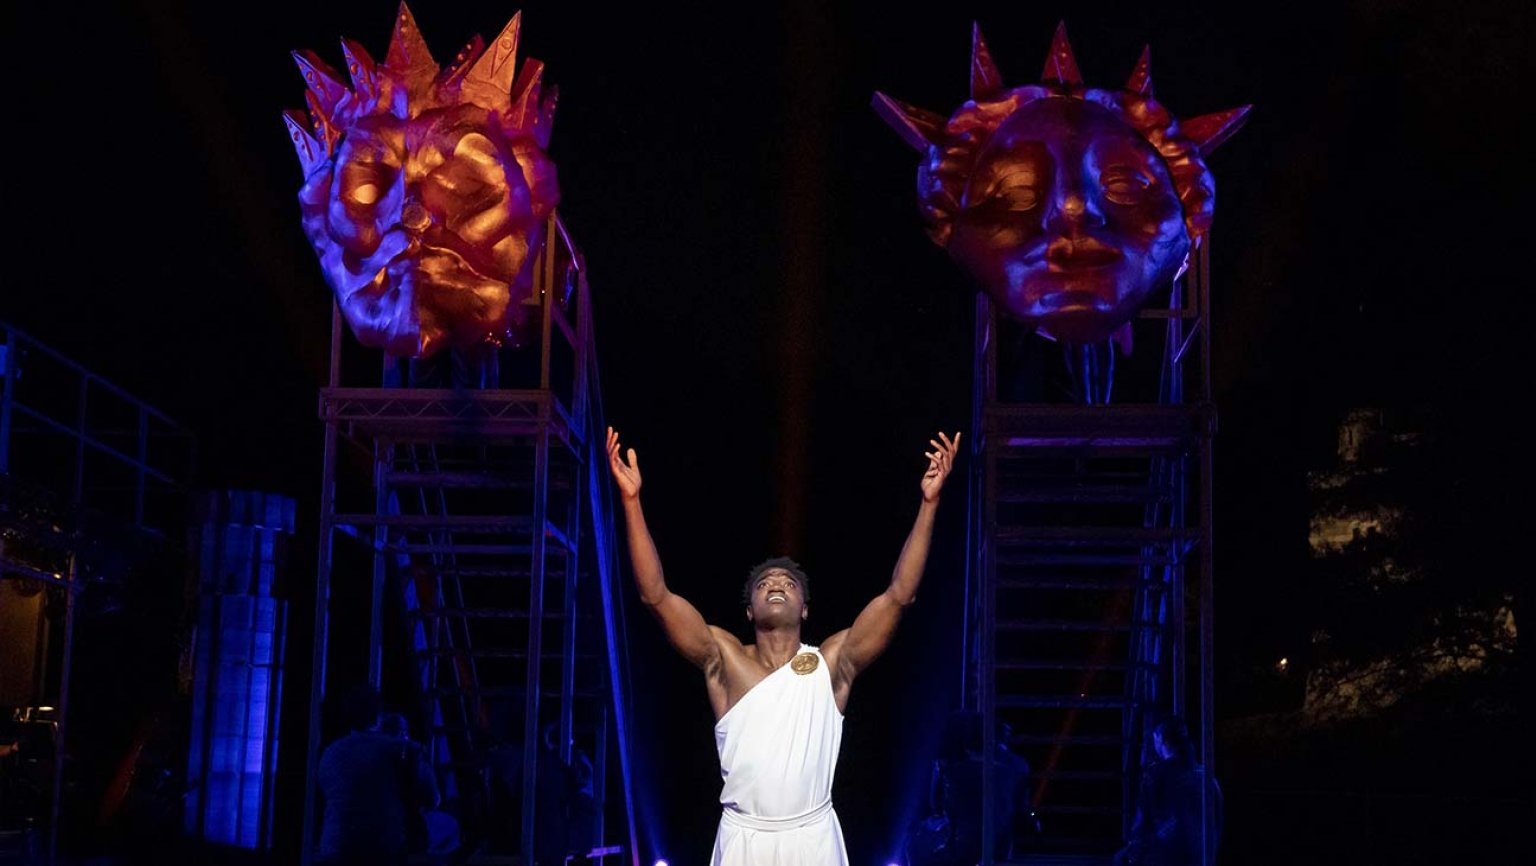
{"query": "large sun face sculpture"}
(1069, 204)
(425, 190)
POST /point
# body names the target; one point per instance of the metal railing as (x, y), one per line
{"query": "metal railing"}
(87, 440)
(79, 456)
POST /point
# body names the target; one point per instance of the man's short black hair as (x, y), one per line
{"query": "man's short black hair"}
(782, 563)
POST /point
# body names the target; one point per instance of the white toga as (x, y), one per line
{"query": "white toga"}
(778, 750)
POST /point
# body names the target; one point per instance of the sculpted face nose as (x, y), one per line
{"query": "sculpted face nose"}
(1070, 209)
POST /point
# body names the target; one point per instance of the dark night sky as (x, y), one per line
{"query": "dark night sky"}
(739, 204)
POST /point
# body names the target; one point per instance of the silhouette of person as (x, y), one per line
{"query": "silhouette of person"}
(1166, 830)
(365, 778)
(956, 790)
(554, 789)
(430, 830)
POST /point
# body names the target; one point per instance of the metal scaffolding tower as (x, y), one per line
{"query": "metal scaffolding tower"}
(1089, 581)
(92, 484)
(482, 554)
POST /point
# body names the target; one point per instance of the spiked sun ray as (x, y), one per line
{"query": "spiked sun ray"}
(526, 92)
(952, 143)
(323, 81)
(916, 126)
(409, 82)
(986, 81)
(463, 62)
(1061, 64)
(1208, 131)
(360, 67)
(311, 152)
(491, 75)
(544, 124)
(1140, 81)
(321, 120)
(408, 52)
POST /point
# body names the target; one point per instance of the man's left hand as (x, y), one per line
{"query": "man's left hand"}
(940, 460)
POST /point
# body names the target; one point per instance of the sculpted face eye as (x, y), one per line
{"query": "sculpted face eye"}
(476, 148)
(1018, 192)
(1010, 183)
(461, 185)
(471, 179)
(363, 182)
(1124, 186)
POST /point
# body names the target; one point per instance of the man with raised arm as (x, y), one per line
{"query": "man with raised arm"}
(778, 702)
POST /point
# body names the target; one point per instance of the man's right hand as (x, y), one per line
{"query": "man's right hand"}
(627, 475)
(685, 627)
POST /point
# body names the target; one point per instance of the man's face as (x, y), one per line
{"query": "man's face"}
(423, 227)
(1070, 219)
(777, 599)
